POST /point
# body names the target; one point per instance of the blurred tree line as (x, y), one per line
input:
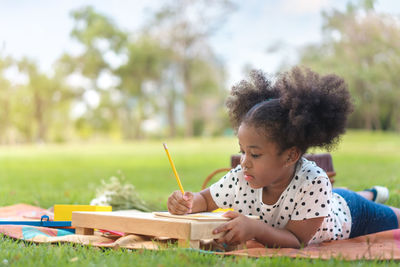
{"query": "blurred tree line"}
(363, 47)
(123, 85)
(165, 79)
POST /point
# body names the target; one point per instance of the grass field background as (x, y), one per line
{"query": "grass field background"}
(44, 175)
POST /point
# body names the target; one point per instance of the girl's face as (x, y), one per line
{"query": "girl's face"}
(261, 161)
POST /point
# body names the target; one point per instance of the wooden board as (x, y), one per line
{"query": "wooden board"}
(146, 224)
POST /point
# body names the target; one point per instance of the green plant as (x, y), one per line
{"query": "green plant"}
(120, 195)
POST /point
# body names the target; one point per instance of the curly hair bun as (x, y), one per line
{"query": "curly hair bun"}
(307, 109)
(247, 93)
(317, 106)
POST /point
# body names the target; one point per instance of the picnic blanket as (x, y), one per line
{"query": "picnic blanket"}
(25, 212)
(378, 246)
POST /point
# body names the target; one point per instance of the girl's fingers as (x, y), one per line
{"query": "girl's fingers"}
(185, 200)
(178, 210)
(228, 238)
(188, 196)
(222, 228)
(187, 204)
(175, 207)
(180, 204)
(232, 238)
(182, 210)
(231, 214)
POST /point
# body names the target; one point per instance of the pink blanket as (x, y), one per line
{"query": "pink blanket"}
(382, 246)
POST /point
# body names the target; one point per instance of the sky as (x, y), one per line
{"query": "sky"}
(40, 29)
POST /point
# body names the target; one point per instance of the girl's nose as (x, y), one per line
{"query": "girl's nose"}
(244, 161)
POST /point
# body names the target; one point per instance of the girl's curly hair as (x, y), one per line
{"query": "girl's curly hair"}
(301, 108)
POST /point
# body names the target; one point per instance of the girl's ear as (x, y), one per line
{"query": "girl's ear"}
(293, 155)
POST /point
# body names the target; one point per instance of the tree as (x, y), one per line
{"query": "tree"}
(209, 93)
(99, 37)
(44, 99)
(152, 69)
(142, 60)
(5, 100)
(362, 46)
(184, 26)
(146, 61)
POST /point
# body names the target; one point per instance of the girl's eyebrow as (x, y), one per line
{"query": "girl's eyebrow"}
(251, 146)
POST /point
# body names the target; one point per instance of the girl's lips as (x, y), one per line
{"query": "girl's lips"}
(248, 177)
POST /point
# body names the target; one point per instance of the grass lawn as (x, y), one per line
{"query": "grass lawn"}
(45, 175)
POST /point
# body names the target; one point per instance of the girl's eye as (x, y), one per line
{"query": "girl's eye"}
(252, 155)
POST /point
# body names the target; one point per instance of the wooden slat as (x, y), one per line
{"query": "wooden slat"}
(132, 223)
(203, 230)
(145, 224)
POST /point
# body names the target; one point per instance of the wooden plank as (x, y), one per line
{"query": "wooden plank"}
(203, 230)
(136, 223)
(146, 224)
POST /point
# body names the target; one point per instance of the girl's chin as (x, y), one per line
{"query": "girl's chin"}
(252, 182)
(254, 186)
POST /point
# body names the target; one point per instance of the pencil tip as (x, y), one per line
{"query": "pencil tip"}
(165, 145)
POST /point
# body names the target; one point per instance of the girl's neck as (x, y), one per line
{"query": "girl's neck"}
(272, 192)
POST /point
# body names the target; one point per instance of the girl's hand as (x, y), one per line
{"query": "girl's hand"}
(238, 230)
(180, 204)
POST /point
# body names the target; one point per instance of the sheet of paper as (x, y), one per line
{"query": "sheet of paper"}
(201, 216)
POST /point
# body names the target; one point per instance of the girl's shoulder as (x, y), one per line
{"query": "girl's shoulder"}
(309, 168)
(307, 172)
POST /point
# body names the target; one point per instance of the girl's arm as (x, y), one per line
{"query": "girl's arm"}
(240, 229)
(294, 235)
(203, 201)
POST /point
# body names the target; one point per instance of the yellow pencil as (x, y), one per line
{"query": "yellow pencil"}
(173, 168)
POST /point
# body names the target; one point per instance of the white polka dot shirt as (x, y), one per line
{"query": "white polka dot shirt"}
(309, 195)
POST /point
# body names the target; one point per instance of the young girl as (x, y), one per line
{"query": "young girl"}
(276, 123)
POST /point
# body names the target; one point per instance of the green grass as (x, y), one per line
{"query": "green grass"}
(21, 254)
(45, 175)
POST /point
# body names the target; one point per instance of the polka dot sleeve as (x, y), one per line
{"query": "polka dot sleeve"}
(313, 200)
(223, 191)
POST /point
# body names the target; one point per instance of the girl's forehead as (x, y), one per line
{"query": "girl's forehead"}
(249, 135)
